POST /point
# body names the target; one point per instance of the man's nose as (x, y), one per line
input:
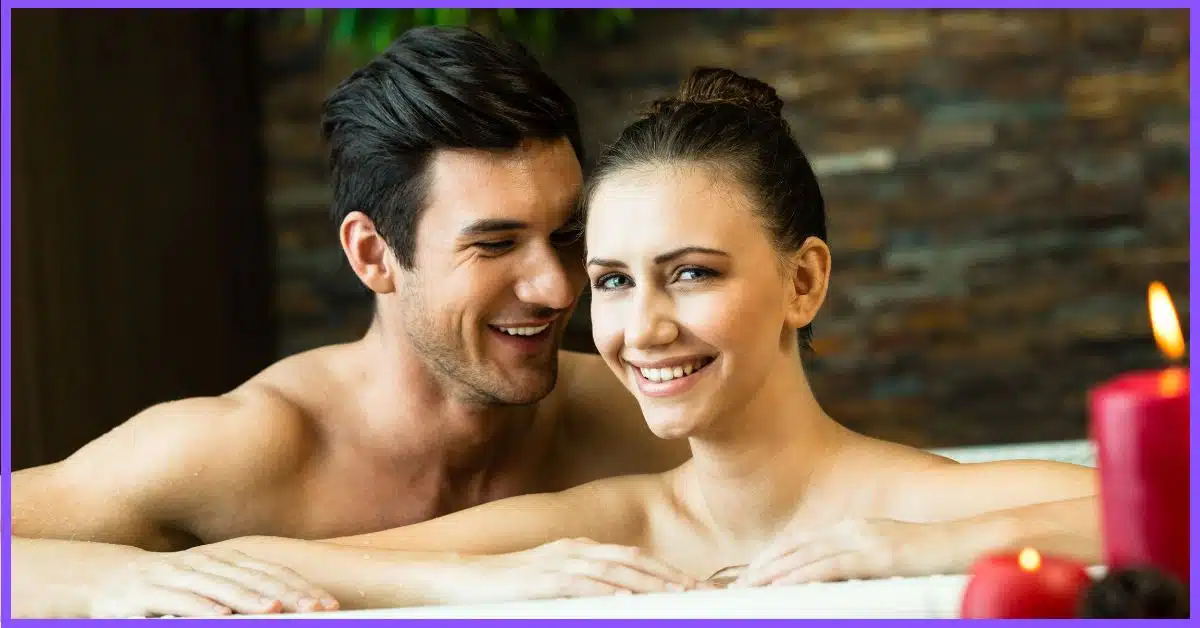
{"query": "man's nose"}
(549, 284)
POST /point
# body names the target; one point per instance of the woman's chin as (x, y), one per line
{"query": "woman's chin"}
(672, 427)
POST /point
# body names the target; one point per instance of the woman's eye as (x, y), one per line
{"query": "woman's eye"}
(695, 274)
(611, 281)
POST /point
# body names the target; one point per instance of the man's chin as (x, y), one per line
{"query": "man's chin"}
(524, 386)
(530, 390)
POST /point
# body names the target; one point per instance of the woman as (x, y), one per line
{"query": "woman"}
(707, 258)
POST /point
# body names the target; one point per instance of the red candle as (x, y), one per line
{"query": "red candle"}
(1024, 586)
(1139, 422)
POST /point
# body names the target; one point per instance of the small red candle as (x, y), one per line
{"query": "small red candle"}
(1024, 586)
(1139, 422)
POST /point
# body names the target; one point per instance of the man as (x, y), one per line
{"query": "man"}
(456, 167)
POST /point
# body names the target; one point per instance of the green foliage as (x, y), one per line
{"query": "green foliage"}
(369, 31)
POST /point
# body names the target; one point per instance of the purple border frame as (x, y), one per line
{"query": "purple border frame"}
(6, 212)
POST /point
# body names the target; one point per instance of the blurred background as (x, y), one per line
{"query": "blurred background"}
(1002, 187)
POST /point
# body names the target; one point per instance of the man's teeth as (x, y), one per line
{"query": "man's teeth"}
(675, 372)
(523, 331)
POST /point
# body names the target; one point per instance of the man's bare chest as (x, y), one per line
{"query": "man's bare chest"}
(336, 500)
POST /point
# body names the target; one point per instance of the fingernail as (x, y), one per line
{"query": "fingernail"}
(624, 592)
(675, 587)
(308, 602)
(222, 610)
(329, 603)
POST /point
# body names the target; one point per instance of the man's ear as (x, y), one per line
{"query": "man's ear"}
(809, 275)
(367, 253)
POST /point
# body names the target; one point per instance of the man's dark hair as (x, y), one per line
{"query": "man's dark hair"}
(433, 88)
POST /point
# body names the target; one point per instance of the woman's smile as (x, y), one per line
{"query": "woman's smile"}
(667, 378)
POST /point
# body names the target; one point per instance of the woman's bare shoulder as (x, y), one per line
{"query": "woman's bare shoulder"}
(880, 475)
(916, 485)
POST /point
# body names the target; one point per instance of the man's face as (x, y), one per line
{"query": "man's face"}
(497, 271)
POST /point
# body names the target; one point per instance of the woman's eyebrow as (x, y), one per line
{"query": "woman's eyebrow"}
(662, 258)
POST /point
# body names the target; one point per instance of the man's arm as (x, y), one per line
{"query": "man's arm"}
(577, 542)
(143, 487)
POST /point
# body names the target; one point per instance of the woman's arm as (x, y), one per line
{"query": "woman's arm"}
(1068, 527)
(1011, 504)
(940, 518)
(950, 490)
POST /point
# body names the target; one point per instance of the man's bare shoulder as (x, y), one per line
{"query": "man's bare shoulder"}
(221, 440)
(166, 470)
(603, 426)
(586, 385)
(239, 441)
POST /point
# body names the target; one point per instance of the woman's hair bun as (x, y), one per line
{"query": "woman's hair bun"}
(718, 85)
(721, 86)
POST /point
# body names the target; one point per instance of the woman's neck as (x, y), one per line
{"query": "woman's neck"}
(750, 473)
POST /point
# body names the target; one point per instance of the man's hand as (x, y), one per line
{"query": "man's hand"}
(203, 582)
(576, 568)
(853, 549)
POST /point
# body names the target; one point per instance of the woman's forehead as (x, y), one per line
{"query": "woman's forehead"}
(665, 205)
(685, 184)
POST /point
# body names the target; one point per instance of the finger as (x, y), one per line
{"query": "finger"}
(636, 559)
(161, 600)
(842, 566)
(582, 586)
(219, 589)
(619, 576)
(789, 562)
(781, 547)
(296, 593)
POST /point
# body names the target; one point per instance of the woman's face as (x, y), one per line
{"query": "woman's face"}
(690, 306)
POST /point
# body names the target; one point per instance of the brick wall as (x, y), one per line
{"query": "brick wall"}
(1002, 187)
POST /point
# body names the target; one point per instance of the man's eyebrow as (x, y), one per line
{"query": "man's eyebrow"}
(575, 220)
(659, 259)
(491, 225)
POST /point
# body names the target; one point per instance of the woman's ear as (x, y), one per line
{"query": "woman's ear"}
(809, 274)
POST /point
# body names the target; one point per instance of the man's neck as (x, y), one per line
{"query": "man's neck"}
(411, 411)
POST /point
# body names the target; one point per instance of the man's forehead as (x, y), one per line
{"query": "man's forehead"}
(530, 185)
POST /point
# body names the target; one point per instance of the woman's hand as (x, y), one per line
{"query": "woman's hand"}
(203, 582)
(575, 568)
(853, 549)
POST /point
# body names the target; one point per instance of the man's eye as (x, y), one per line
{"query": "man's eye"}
(565, 237)
(495, 247)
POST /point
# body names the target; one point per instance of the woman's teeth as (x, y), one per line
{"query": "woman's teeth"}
(524, 331)
(674, 372)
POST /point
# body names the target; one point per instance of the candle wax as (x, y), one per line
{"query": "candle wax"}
(1139, 422)
(1000, 588)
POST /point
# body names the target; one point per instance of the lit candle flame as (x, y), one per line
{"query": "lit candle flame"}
(1165, 322)
(1029, 559)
